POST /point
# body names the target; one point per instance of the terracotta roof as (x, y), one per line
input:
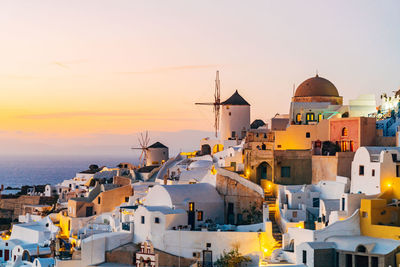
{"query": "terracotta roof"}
(236, 99)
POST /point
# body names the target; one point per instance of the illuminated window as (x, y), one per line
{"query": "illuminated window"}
(191, 206)
(320, 117)
(310, 117)
(345, 132)
(200, 215)
(298, 117)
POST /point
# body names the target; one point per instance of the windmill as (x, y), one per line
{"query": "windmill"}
(216, 103)
(144, 140)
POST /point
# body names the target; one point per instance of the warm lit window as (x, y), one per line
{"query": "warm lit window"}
(191, 206)
(320, 117)
(345, 132)
(298, 117)
(200, 215)
(310, 117)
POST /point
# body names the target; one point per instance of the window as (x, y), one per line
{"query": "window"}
(1, 253)
(156, 220)
(308, 134)
(310, 117)
(343, 203)
(230, 113)
(304, 256)
(298, 117)
(361, 170)
(98, 200)
(373, 172)
(320, 117)
(263, 147)
(397, 170)
(191, 206)
(345, 132)
(142, 219)
(233, 134)
(315, 202)
(200, 215)
(126, 199)
(285, 172)
(294, 214)
(279, 146)
(364, 214)
(349, 260)
(394, 157)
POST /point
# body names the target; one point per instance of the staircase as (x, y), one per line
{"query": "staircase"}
(276, 232)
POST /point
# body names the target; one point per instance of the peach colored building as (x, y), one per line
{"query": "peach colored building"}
(102, 198)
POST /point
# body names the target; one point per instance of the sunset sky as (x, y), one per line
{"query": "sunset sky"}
(71, 71)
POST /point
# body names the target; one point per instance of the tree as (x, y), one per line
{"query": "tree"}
(232, 259)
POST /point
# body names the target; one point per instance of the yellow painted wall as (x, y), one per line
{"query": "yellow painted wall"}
(373, 212)
(64, 233)
(295, 136)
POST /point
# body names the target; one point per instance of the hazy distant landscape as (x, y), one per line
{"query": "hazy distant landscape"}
(53, 160)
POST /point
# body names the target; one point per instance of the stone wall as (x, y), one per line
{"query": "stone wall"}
(16, 204)
(326, 168)
(244, 195)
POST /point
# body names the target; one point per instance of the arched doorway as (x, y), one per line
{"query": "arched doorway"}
(205, 150)
(264, 171)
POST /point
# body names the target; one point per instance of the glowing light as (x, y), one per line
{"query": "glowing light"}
(247, 173)
(389, 185)
(265, 250)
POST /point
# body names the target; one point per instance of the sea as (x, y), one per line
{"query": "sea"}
(16, 171)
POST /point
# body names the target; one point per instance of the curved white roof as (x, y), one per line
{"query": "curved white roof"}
(176, 195)
(375, 151)
(206, 164)
(381, 246)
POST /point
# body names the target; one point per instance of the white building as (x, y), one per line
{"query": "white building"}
(199, 200)
(373, 169)
(235, 117)
(156, 154)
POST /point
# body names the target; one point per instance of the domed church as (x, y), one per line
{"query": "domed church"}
(315, 99)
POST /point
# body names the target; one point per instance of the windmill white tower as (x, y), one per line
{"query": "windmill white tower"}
(235, 114)
(156, 154)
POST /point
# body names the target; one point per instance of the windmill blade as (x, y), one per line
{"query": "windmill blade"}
(217, 103)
